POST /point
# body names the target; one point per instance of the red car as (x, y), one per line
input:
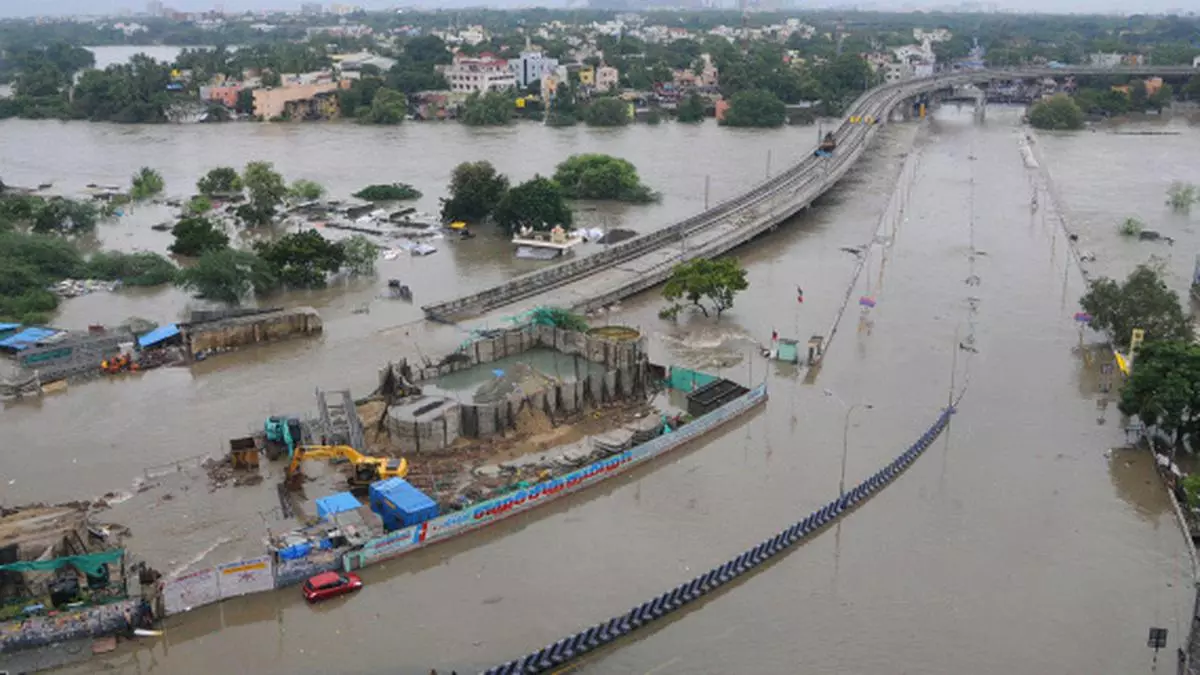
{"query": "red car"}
(330, 584)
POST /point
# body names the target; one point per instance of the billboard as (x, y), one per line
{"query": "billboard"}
(245, 576)
(190, 591)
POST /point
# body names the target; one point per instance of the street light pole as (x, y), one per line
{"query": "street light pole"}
(846, 445)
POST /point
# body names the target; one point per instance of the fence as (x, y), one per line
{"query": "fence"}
(210, 585)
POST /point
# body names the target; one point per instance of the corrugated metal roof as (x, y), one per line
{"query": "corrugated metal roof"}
(27, 338)
(9, 326)
(158, 335)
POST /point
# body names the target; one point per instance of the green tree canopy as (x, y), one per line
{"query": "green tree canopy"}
(714, 281)
(223, 180)
(596, 176)
(755, 108)
(306, 190)
(196, 236)
(302, 259)
(147, 183)
(1142, 301)
(1164, 387)
(1058, 112)
(538, 203)
(267, 191)
(388, 193)
(691, 109)
(133, 269)
(228, 276)
(388, 107)
(494, 108)
(360, 255)
(475, 190)
(607, 112)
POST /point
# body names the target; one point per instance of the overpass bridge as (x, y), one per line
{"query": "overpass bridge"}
(647, 260)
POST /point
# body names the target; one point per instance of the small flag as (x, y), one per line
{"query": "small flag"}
(799, 295)
(1083, 317)
(774, 335)
(866, 301)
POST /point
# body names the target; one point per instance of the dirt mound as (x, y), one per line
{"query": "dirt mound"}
(531, 422)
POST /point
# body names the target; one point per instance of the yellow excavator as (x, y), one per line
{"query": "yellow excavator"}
(367, 470)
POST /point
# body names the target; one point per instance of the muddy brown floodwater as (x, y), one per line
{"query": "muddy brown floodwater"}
(1019, 543)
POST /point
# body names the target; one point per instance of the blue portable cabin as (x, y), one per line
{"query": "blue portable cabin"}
(331, 505)
(400, 504)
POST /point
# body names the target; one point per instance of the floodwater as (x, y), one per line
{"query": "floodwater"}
(1019, 543)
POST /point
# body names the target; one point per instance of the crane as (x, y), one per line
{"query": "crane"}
(367, 470)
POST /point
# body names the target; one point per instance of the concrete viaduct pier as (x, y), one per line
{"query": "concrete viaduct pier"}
(646, 261)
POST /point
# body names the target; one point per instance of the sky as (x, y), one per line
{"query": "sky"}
(18, 8)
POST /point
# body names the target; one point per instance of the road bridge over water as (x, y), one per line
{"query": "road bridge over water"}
(646, 261)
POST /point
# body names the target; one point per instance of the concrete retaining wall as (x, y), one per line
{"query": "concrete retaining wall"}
(241, 331)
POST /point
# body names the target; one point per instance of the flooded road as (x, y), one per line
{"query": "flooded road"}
(1017, 544)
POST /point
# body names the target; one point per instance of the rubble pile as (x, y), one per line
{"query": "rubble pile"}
(73, 288)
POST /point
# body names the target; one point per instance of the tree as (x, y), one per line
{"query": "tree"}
(267, 191)
(755, 108)
(1058, 112)
(1142, 301)
(220, 181)
(475, 190)
(1192, 89)
(388, 193)
(196, 236)
(306, 190)
(132, 269)
(1161, 98)
(1137, 95)
(1164, 388)
(388, 107)
(146, 183)
(198, 205)
(691, 109)
(1181, 196)
(716, 281)
(227, 276)
(538, 203)
(245, 102)
(427, 49)
(65, 216)
(494, 108)
(596, 176)
(360, 255)
(607, 112)
(302, 259)
(271, 78)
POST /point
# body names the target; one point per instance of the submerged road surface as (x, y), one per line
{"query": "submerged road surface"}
(1016, 545)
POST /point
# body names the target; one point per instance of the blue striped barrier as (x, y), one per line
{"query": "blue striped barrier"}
(601, 634)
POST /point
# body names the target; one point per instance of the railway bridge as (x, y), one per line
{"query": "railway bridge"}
(647, 260)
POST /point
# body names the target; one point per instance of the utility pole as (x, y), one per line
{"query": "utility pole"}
(768, 163)
(706, 181)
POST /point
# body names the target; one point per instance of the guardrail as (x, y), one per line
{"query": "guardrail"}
(877, 103)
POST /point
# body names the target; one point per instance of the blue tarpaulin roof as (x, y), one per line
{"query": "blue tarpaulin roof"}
(158, 335)
(337, 503)
(9, 326)
(26, 338)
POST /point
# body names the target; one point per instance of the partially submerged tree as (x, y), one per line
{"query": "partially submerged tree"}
(691, 109)
(714, 281)
(302, 259)
(267, 191)
(596, 176)
(388, 193)
(306, 190)
(132, 269)
(1058, 112)
(228, 276)
(1131, 227)
(755, 108)
(538, 203)
(359, 255)
(221, 181)
(475, 190)
(495, 108)
(1141, 301)
(1164, 388)
(388, 107)
(146, 183)
(607, 112)
(196, 236)
(1181, 196)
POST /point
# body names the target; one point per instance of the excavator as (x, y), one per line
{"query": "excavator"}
(367, 470)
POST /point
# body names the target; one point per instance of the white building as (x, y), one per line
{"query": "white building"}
(607, 78)
(479, 75)
(1101, 60)
(935, 35)
(531, 67)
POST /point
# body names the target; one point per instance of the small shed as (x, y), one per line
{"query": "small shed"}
(400, 504)
(335, 504)
(30, 337)
(159, 337)
(712, 396)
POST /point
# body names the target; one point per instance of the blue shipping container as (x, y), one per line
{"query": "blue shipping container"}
(400, 504)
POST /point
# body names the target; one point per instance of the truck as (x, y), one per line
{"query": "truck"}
(827, 146)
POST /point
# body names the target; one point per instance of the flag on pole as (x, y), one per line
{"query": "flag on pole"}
(866, 301)
(799, 295)
(774, 335)
(1083, 317)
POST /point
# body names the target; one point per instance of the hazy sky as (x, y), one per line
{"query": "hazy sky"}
(9, 8)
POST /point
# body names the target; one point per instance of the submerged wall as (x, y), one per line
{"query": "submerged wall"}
(91, 622)
(226, 334)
